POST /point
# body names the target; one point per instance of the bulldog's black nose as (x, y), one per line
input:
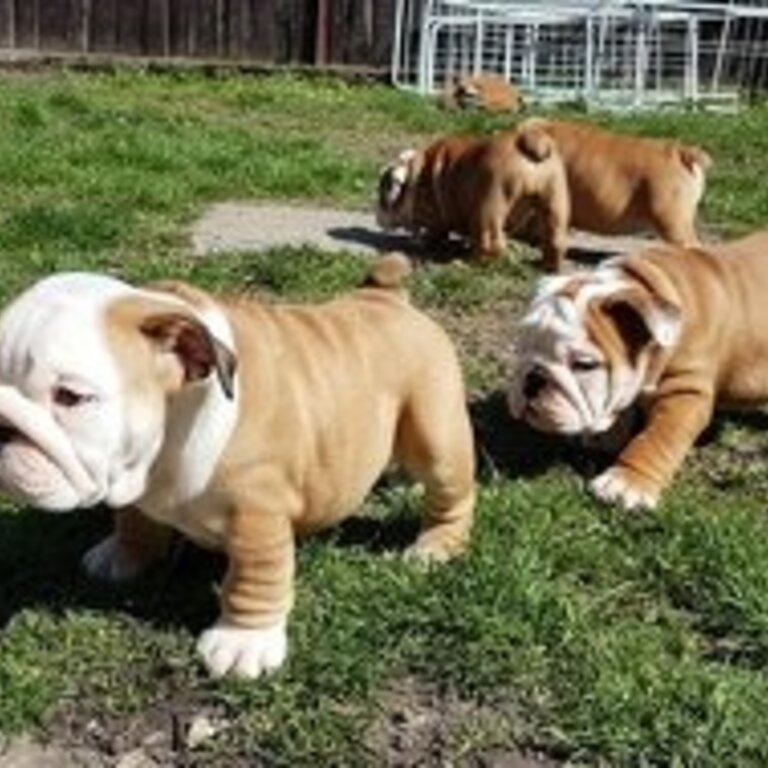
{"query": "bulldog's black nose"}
(535, 381)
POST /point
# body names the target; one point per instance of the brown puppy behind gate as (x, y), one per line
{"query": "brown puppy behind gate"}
(488, 92)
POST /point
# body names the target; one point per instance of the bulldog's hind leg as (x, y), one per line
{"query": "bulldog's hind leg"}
(435, 446)
(487, 235)
(675, 222)
(136, 543)
(678, 232)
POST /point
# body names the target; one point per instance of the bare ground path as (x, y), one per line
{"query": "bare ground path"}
(240, 226)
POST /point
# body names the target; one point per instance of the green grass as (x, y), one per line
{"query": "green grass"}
(568, 629)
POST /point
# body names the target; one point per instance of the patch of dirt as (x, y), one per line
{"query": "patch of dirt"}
(164, 736)
(253, 227)
(418, 726)
(240, 226)
(25, 753)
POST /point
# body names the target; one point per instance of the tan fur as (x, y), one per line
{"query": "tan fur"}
(328, 395)
(622, 184)
(492, 93)
(485, 189)
(720, 359)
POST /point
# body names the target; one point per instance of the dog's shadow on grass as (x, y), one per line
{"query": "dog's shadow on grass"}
(511, 448)
(390, 534)
(373, 238)
(753, 420)
(40, 568)
(420, 249)
(590, 257)
(454, 248)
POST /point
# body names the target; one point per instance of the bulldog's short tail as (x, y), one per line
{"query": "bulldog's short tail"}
(388, 272)
(695, 158)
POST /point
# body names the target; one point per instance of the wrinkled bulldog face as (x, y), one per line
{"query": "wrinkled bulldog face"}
(586, 350)
(86, 363)
(394, 208)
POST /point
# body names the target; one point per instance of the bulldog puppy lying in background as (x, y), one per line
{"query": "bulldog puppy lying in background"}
(238, 423)
(679, 331)
(622, 184)
(488, 92)
(481, 188)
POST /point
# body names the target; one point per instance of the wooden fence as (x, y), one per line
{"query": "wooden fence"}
(322, 32)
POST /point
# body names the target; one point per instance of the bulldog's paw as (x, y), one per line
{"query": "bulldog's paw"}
(424, 556)
(433, 549)
(626, 488)
(109, 561)
(241, 651)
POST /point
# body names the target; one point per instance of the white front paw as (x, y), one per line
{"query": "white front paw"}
(617, 486)
(228, 649)
(108, 561)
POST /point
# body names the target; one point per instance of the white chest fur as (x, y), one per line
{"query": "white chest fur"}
(199, 424)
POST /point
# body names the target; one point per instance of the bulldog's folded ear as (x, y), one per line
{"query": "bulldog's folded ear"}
(197, 350)
(641, 318)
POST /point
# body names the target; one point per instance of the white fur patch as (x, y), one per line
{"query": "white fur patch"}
(199, 424)
(550, 331)
(400, 174)
(549, 305)
(228, 649)
(53, 335)
(613, 487)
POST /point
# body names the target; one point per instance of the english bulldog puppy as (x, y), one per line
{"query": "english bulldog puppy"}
(241, 424)
(677, 331)
(480, 188)
(621, 184)
(488, 92)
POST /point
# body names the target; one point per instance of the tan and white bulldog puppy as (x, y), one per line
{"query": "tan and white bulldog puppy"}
(621, 184)
(480, 188)
(241, 424)
(679, 331)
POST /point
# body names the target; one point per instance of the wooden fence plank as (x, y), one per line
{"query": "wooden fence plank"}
(129, 26)
(266, 31)
(54, 25)
(8, 23)
(103, 26)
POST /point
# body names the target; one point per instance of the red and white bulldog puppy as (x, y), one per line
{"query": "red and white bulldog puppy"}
(240, 424)
(679, 331)
(483, 189)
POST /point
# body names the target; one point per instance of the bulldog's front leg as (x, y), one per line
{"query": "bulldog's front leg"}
(489, 241)
(135, 544)
(646, 466)
(249, 638)
(554, 240)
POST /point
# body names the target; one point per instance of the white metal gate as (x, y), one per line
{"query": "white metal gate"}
(603, 52)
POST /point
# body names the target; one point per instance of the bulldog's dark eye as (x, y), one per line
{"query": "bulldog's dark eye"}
(68, 398)
(584, 364)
